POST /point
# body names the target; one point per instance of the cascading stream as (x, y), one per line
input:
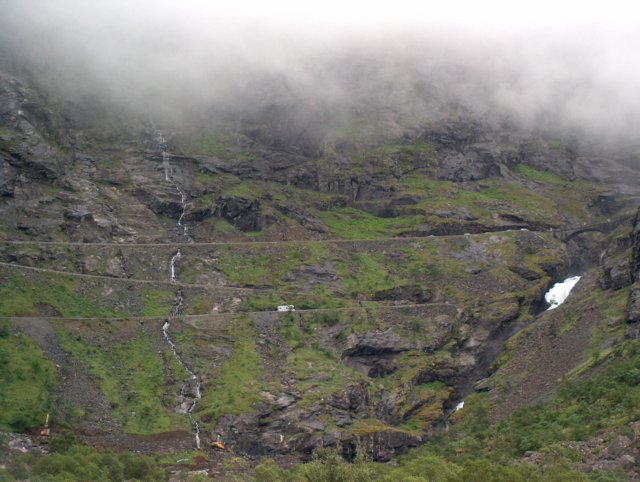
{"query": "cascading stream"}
(196, 394)
(168, 176)
(198, 383)
(172, 266)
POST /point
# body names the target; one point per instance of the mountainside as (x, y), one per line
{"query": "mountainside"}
(142, 264)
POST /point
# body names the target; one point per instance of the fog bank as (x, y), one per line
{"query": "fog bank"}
(575, 69)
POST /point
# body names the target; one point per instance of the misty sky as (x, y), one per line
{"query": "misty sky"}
(575, 62)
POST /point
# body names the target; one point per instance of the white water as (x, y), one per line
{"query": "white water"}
(194, 422)
(172, 265)
(183, 200)
(168, 176)
(166, 166)
(559, 292)
(459, 406)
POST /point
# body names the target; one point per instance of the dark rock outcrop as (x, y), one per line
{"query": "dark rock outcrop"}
(378, 343)
(410, 293)
(383, 445)
(309, 222)
(615, 275)
(245, 214)
(373, 354)
(241, 433)
(633, 307)
(163, 200)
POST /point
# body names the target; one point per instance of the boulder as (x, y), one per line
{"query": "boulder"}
(618, 447)
(285, 400)
(115, 268)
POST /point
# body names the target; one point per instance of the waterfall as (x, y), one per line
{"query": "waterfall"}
(177, 307)
(172, 266)
(198, 383)
(559, 292)
(169, 177)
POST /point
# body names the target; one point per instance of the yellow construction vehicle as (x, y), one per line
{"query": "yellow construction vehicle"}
(45, 431)
(218, 443)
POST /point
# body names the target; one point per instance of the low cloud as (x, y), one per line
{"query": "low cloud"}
(184, 58)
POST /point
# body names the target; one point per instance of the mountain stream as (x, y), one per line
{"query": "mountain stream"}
(192, 389)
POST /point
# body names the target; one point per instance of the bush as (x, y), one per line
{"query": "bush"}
(268, 471)
(62, 442)
(84, 463)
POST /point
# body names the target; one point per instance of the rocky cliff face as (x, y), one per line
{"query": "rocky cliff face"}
(410, 261)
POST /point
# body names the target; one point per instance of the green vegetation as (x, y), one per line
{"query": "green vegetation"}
(207, 145)
(532, 174)
(253, 190)
(156, 302)
(356, 136)
(264, 266)
(351, 223)
(365, 274)
(583, 408)
(26, 379)
(484, 199)
(69, 296)
(215, 144)
(318, 373)
(21, 294)
(131, 375)
(329, 466)
(474, 449)
(71, 462)
(237, 383)
(571, 197)
(381, 158)
(555, 145)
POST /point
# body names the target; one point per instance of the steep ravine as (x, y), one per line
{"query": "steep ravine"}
(495, 346)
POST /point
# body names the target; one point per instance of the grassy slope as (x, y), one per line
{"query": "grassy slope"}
(25, 380)
(31, 293)
(132, 377)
